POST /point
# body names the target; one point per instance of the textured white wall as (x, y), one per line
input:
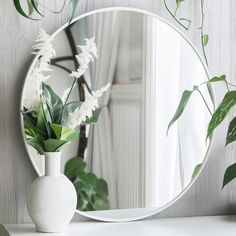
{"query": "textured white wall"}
(16, 37)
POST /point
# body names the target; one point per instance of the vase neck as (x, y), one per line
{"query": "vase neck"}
(52, 163)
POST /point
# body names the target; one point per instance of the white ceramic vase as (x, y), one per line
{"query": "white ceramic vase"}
(52, 198)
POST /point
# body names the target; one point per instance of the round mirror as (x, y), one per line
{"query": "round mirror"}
(139, 169)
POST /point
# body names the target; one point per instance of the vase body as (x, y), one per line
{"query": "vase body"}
(52, 198)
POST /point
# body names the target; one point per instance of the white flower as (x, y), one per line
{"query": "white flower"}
(89, 48)
(89, 52)
(87, 107)
(44, 50)
(33, 90)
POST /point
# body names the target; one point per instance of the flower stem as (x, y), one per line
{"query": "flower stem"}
(67, 97)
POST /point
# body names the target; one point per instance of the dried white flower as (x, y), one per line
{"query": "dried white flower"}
(89, 52)
(89, 48)
(44, 50)
(87, 107)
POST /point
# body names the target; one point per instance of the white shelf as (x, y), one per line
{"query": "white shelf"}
(189, 226)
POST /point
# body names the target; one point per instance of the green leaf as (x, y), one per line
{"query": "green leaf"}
(18, 7)
(69, 108)
(30, 122)
(64, 133)
(217, 79)
(229, 175)
(100, 203)
(196, 170)
(35, 6)
(54, 103)
(81, 187)
(178, 2)
(89, 179)
(231, 134)
(101, 187)
(53, 145)
(74, 4)
(30, 7)
(227, 103)
(74, 167)
(42, 123)
(30, 132)
(38, 143)
(205, 39)
(182, 104)
(94, 117)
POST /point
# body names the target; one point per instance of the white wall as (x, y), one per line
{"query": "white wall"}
(16, 37)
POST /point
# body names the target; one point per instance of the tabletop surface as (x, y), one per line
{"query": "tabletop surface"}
(194, 226)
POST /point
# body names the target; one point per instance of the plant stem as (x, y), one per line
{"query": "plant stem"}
(173, 15)
(45, 118)
(231, 84)
(227, 85)
(201, 31)
(204, 100)
(67, 97)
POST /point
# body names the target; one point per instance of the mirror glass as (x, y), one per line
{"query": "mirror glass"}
(149, 64)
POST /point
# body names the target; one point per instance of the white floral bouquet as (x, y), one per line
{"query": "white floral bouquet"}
(51, 121)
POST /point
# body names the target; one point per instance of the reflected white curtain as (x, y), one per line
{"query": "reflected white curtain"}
(170, 161)
(100, 156)
(162, 167)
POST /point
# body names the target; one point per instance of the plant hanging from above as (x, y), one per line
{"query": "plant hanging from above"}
(217, 117)
(186, 23)
(36, 6)
(51, 121)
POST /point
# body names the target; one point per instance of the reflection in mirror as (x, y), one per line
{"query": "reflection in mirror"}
(126, 160)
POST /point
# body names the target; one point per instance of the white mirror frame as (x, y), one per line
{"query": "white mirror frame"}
(158, 210)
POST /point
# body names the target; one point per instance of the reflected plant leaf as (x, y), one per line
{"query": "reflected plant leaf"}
(64, 133)
(94, 117)
(53, 145)
(69, 108)
(74, 167)
(92, 192)
(37, 143)
(54, 103)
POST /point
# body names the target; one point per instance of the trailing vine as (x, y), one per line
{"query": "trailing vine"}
(224, 108)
